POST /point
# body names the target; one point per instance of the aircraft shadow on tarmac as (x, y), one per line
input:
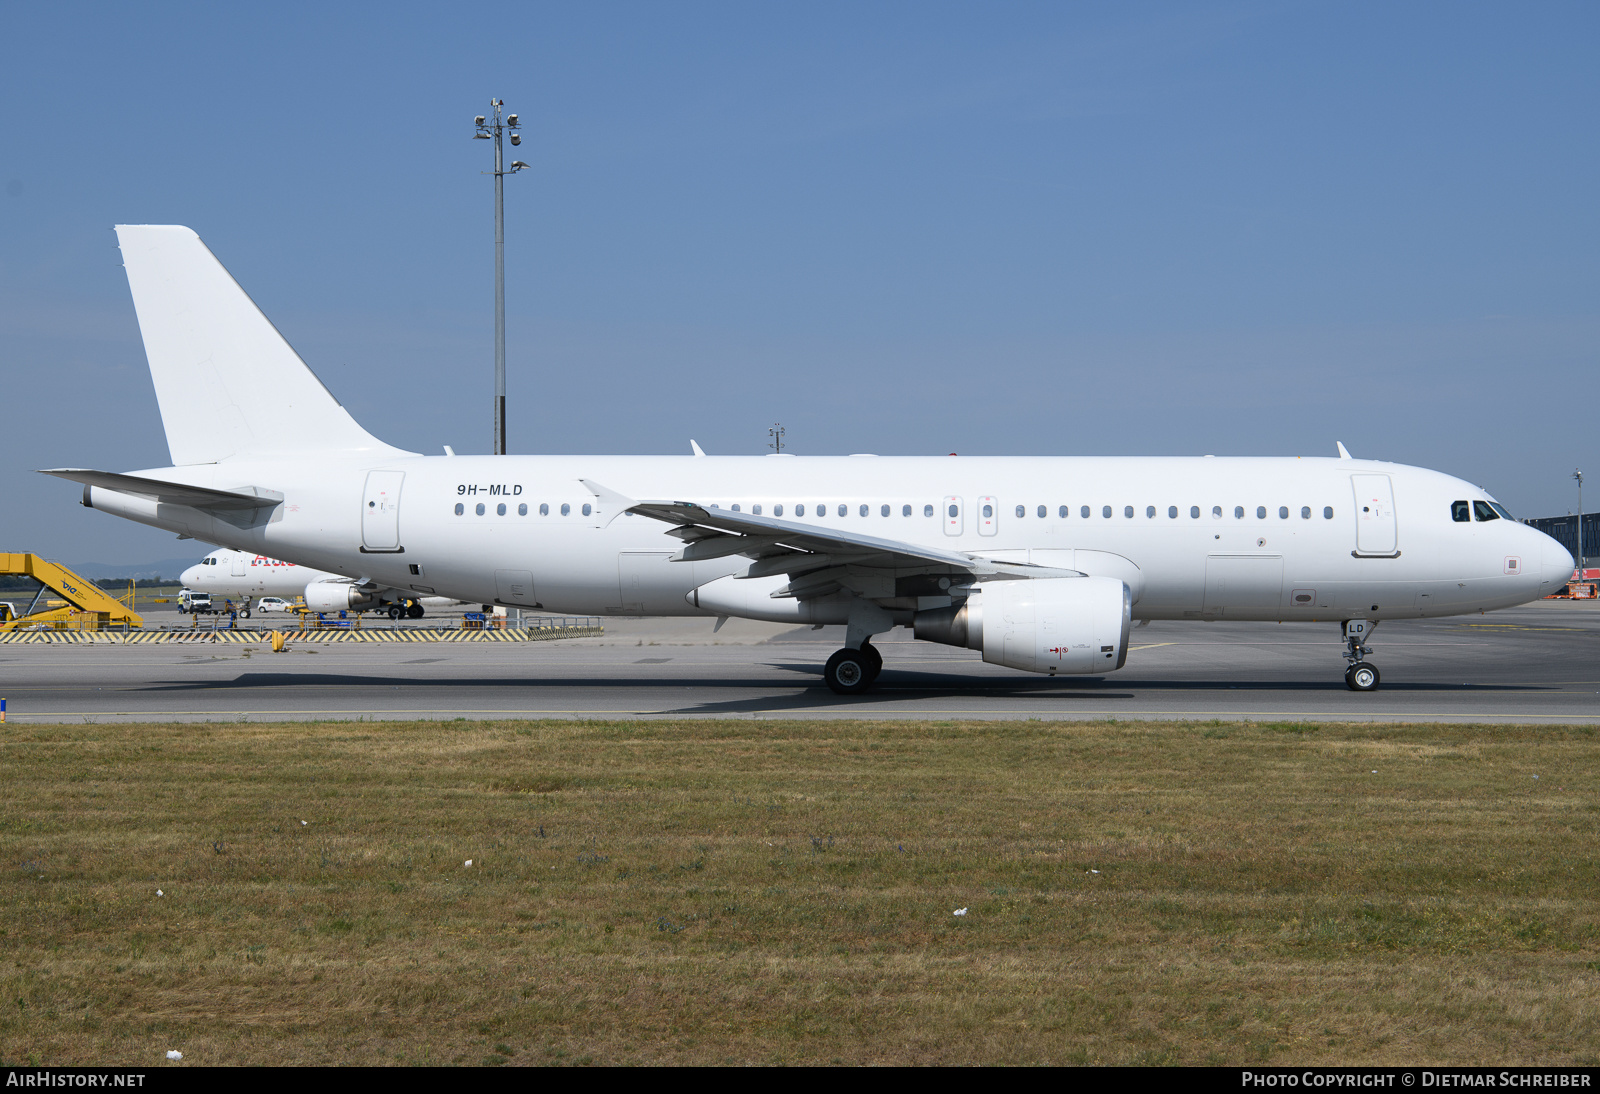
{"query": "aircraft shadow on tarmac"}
(894, 686)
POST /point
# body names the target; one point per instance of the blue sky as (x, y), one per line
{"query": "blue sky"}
(898, 228)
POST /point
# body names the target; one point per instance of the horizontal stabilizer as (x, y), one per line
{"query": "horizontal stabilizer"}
(172, 493)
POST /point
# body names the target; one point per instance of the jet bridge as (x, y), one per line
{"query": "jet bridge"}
(88, 607)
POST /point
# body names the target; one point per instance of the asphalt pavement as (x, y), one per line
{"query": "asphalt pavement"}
(1538, 663)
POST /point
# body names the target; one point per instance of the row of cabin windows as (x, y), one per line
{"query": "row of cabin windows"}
(777, 510)
(1106, 511)
(1458, 511)
(821, 510)
(522, 509)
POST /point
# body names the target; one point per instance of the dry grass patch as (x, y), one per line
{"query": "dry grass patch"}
(758, 892)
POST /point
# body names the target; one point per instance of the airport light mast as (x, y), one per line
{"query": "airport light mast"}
(1583, 563)
(494, 130)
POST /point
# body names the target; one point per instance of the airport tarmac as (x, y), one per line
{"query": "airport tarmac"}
(1537, 663)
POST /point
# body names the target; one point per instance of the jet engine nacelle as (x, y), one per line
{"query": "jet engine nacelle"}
(337, 596)
(1052, 625)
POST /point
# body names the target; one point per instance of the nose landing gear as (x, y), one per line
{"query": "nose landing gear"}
(1361, 675)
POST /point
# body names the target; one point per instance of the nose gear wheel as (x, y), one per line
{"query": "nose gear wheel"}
(1361, 676)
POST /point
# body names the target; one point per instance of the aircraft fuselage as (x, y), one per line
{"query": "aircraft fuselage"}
(1259, 538)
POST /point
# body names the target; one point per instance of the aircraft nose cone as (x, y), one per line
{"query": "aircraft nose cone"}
(189, 577)
(1558, 562)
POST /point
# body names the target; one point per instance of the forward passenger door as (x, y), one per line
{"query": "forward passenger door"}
(1376, 532)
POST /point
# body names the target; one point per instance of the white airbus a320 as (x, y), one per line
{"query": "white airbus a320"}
(1041, 563)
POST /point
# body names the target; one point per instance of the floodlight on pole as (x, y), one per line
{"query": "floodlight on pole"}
(495, 130)
(1583, 560)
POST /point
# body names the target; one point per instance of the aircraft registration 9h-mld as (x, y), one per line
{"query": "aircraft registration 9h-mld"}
(1042, 564)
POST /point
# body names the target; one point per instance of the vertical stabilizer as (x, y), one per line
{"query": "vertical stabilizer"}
(227, 382)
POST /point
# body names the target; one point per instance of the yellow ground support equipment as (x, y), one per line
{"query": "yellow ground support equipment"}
(87, 608)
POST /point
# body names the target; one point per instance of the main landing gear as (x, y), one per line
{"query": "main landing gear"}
(1362, 675)
(851, 672)
(408, 610)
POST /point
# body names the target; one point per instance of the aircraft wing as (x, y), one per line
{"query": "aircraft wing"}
(820, 559)
(172, 493)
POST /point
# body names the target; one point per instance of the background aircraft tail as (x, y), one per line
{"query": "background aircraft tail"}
(227, 382)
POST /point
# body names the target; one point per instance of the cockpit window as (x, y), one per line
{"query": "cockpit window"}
(1484, 511)
(1460, 512)
(1502, 510)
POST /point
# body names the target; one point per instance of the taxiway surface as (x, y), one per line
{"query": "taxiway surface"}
(1538, 663)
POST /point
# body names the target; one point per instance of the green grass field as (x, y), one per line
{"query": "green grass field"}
(782, 892)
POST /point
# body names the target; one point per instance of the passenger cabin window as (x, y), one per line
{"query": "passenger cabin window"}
(1216, 512)
(905, 510)
(1327, 512)
(1460, 512)
(1261, 512)
(1127, 511)
(460, 508)
(1022, 510)
(735, 507)
(1150, 510)
(1084, 512)
(883, 511)
(777, 511)
(954, 511)
(1105, 511)
(756, 509)
(1194, 512)
(522, 510)
(927, 510)
(1283, 512)
(1238, 512)
(1062, 512)
(1172, 512)
(1305, 512)
(988, 511)
(566, 509)
(800, 510)
(1484, 511)
(500, 510)
(845, 509)
(587, 509)
(544, 509)
(480, 508)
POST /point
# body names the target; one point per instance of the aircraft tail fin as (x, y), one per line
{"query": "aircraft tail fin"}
(227, 382)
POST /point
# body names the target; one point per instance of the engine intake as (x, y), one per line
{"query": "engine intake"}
(1050, 625)
(337, 596)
